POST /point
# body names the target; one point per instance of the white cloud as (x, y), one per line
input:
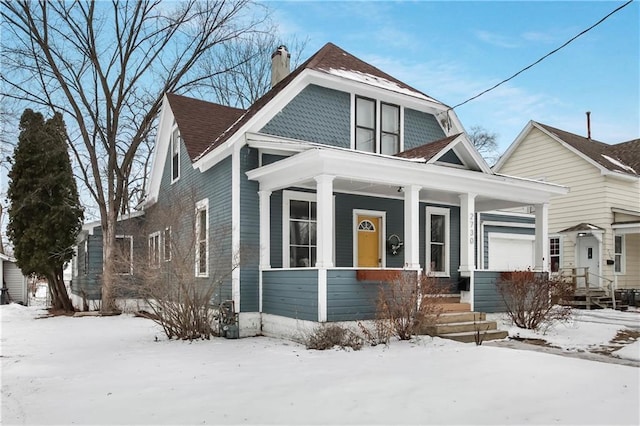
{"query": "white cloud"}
(496, 39)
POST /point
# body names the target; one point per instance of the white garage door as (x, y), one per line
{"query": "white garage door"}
(510, 252)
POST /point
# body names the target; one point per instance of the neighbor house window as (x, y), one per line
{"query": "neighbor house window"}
(202, 238)
(437, 252)
(175, 155)
(554, 253)
(167, 244)
(85, 256)
(619, 253)
(300, 232)
(387, 140)
(124, 255)
(154, 250)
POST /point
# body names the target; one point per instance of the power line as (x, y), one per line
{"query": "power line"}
(544, 57)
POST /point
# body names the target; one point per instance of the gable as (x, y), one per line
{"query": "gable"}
(316, 114)
(451, 158)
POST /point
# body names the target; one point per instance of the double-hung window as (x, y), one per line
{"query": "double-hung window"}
(175, 155)
(368, 120)
(124, 255)
(202, 238)
(554, 253)
(167, 244)
(618, 254)
(154, 250)
(300, 214)
(437, 252)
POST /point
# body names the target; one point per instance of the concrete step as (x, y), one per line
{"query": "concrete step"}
(460, 327)
(444, 298)
(449, 317)
(470, 336)
(455, 307)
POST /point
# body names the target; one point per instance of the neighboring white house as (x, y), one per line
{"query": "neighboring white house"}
(14, 283)
(597, 224)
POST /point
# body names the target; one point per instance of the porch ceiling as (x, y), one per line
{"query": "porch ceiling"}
(374, 175)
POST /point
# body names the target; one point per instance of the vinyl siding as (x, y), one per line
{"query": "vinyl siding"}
(249, 233)
(316, 114)
(291, 293)
(15, 282)
(486, 297)
(540, 157)
(631, 276)
(349, 299)
(420, 128)
(193, 186)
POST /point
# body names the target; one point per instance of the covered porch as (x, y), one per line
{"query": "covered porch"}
(374, 213)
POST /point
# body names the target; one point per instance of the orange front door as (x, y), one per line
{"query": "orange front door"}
(369, 242)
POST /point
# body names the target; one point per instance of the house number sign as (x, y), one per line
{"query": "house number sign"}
(471, 227)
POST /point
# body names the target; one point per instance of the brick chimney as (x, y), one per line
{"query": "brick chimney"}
(279, 64)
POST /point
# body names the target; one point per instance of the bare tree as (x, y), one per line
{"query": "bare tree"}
(249, 61)
(183, 304)
(106, 66)
(485, 143)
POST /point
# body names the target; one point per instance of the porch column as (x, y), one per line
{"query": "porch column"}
(324, 238)
(265, 237)
(541, 247)
(411, 226)
(467, 234)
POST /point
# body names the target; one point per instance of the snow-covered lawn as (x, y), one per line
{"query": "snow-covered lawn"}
(121, 370)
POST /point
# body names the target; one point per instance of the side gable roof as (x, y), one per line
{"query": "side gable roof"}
(199, 120)
(621, 158)
(330, 59)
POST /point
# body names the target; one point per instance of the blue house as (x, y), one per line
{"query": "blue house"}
(336, 176)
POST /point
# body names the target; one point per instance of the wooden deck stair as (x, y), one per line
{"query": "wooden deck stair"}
(457, 322)
(595, 298)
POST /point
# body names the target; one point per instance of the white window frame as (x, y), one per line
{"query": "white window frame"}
(623, 268)
(166, 258)
(130, 237)
(175, 149)
(438, 211)
(202, 205)
(155, 241)
(560, 253)
(377, 122)
(287, 197)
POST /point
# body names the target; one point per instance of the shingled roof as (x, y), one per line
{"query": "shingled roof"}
(329, 59)
(623, 157)
(427, 151)
(199, 120)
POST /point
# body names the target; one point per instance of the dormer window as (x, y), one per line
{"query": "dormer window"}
(175, 155)
(367, 138)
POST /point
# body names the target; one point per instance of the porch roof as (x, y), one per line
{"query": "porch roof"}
(386, 176)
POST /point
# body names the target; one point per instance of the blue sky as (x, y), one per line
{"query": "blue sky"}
(454, 50)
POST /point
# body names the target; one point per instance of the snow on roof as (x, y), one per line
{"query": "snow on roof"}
(377, 81)
(619, 164)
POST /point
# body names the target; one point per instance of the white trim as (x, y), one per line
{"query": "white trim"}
(130, 237)
(382, 232)
(202, 205)
(560, 254)
(157, 251)
(287, 196)
(430, 210)
(322, 294)
(175, 139)
(235, 227)
(623, 257)
(164, 245)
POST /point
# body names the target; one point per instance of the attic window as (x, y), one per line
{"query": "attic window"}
(367, 122)
(175, 155)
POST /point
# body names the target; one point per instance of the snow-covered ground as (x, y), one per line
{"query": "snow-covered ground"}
(121, 370)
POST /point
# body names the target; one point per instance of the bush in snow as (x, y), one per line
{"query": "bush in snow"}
(329, 335)
(407, 305)
(533, 300)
